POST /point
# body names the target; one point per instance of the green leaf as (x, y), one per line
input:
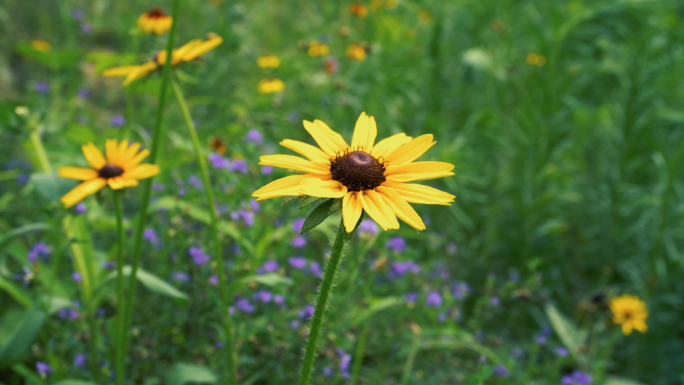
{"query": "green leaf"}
(151, 282)
(376, 305)
(269, 279)
(321, 213)
(307, 201)
(349, 236)
(79, 133)
(22, 338)
(55, 303)
(105, 60)
(16, 292)
(615, 380)
(51, 187)
(568, 333)
(22, 230)
(56, 58)
(181, 374)
(69, 381)
(77, 232)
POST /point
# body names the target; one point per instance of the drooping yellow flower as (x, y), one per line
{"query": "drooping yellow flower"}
(269, 86)
(630, 312)
(356, 52)
(121, 168)
(41, 45)
(368, 176)
(534, 59)
(317, 49)
(359, 10)
(155, 21)
(268, 61)
(190, 51)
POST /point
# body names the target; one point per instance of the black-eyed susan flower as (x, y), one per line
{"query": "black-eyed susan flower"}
(368, 176)
(120, 168)
(356, 52)
(41, 45)
(318, 49)
(268, 61)
(190, 51)
(269, 86)
(630, 312)
(359, 10)
(155, 21)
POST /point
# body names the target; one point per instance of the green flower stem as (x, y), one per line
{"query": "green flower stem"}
(408, 366)
(147, 184)
(93, 343)
(321, 304)
(120, 321)
(227, 320)
(360, 350)
(40, 151)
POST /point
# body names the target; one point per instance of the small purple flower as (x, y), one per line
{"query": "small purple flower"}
(218, 161)
(345, 360)
(44, 370)
(442, 316)
(218, 344)
(254, 136)
(433, 299)
(28, 276)
(264, 296)
(292, 116)
(268, 267)
(306, 312)
(297, 262)
(401, 268)
(561, 351)
(239, 165)
(195, 182)
(180, 276)
(297, 225)
(298, 241)
(42, 87)
(451, 248)
(460, 290)
(117, 121)
(540, 339)
(368, 228)
(77, 14)
(22, 178)
(494, 301)
(181, 192)
(79, 360)
(328, 371)
(156, 186)
(315, 269)
(83, 93)
(40, 249)
(255, 206)
(76, 276)
(501, 371)
(244, 305)
(151, 236)
(581, 378)
(108, 265)
(411, 297)
(213, 280)
(198, 255)
(80, 208)
(398, 244)
(279, 299)
(87, 28)
(231, 310)
(545, 330)
(266, 170)
(294, 324)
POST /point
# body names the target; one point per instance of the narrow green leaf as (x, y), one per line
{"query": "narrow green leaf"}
(151, 282)
(82, 250)
(22, 338)
(50, 186)
(69, 381)
(307, 201)
(16, 292)
(55, 303)
(376, 305)
(321, 213)
(181, 374)
(4, 239)
(615, 380)
(568, 333)
(270, 279)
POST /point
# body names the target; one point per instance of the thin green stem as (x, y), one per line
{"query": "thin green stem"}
(40, 151)
(360, 350)
(223, 287)
(120, 320)
(321, 305)
(93, 343)
(408, 366)
(147, 184)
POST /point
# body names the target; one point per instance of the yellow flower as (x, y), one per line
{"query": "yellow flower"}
(268, 61)
(155, 20)
(121, 168)
(316, 49)
(186, 53)
(358, 10)
(366, 175)
(269, 86)
(630, 312)
(356, 52)
(41, 45)
(534, 59)
(424, 17)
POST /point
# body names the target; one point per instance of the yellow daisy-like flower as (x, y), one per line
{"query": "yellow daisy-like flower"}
(317, 49)
(121, 168)
(41, 45)
(268, 61)
(191, 51)
(630, 312)
(368, 176)
(156, 21)
(356, 52)
(269, 86)
(359, 10)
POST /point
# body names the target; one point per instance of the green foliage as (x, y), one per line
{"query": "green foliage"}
(20, 341)
(151, 282)
(321, 213)
(181, 374)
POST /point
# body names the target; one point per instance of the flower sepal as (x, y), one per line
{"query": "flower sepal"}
(320, 213)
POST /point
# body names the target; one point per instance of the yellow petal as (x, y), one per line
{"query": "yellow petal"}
(121, 154)
(364, 133)
(388, 145)
(328, 140)
(140, 72)
(296, 163)
(410, 151)
(402, 209)
(626, 328)
(137, 159)
(116, 183)
(312, 152)
(130, 153)
(418, 171)
(640, 325)
(94, 156)
(283, 187)
(203, 48)
(378, 210)
(351, 210)
(322, 188)
(119, 71)
(142, 171)
(418, 193)
(111, 147)
(78, 173)
(82, 190)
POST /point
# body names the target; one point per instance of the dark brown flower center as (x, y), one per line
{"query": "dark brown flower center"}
(358, 171)
(156, 13)
(110, 171)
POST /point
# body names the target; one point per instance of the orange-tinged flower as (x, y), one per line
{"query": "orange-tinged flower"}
(190, 51)
(356, 52)
(367, 176)
(121, 168)
(155, 21)
(268, 61)
(317, 49)
(630, 312)
(41, 45)
(218, 145)
(359, 10)
(269, 86)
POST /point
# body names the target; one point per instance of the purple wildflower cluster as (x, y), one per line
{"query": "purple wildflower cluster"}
(268, 267)
(367, 228)
(306, 312)
(345, 361)
(40, 249)
(70, 313)
(235, 165)
(460, 290)
(398, 244)
(254, 136)
(44, 370)
(300, 263)
(117, 121)
(151, 236)
(577, 378)
(434, 299)
(402, 268)
(198, 255)
(180, 276)
(244, 305)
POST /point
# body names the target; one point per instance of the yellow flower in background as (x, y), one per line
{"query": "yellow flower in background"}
(424, 17)
(356, 52)
(41, 45)
(359, 10)
(156, 21)
(316, 49)
(268, 61)
(269, 86)
(534, 59)
(121, 168)
(190, 51)
(630, 312)
(368, 176)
